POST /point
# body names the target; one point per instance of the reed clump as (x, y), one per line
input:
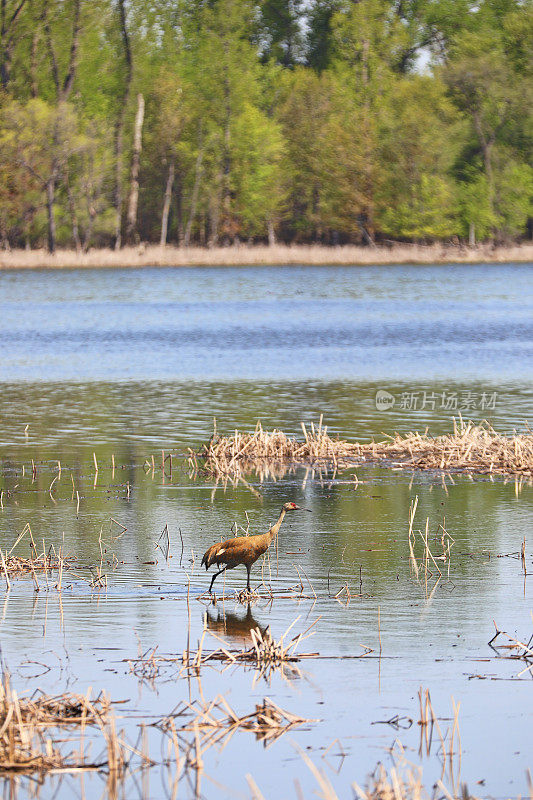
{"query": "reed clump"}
(248, 255)
(16, 566)
(471, 448)
(216, 722)
(25, 746)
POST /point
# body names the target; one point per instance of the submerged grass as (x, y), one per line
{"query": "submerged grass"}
(469, 448)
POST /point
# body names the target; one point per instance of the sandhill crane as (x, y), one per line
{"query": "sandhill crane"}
(244, 549)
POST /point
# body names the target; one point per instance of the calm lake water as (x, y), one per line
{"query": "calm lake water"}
(124, 363)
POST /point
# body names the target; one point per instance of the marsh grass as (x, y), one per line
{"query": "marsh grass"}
(251, 255)
(26, 743)
(266, 655)
(428, 565)
(216, 722)
(469, 448)
(45, 562)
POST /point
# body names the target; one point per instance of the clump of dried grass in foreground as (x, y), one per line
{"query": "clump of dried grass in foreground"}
(470, 448)
(24, 745)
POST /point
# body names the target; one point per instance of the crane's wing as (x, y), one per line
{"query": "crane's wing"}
(231, 552)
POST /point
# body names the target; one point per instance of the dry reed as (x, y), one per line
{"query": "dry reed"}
(266, 655)
(470, 448)
(25, 746)
(514, 649)
(216, 722)
(246, 255)
(403, 781)
(424, 566)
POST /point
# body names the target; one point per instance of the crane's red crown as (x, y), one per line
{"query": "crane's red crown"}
(291, 507)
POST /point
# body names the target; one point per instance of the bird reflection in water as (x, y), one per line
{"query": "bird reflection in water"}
(233, 626)
(235, 629)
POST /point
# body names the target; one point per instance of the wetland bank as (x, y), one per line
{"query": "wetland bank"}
(393, 582)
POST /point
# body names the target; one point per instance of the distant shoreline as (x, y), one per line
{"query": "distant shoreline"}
(263, 255)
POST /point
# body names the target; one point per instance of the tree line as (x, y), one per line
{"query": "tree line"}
(216, 121)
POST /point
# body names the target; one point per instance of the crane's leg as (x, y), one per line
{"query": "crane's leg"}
(216, 576)
(248, 582)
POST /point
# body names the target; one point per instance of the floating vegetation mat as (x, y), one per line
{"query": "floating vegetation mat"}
(470, 448)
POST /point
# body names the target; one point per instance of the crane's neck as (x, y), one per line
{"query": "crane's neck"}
(272, 533)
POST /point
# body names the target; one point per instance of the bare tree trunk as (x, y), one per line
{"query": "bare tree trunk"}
(194, 197)
(472, 235)
(486, 147)
(72, 64)
(73, 215)
(51, 51)
(3, 236)
(178, 194)
(214, 218)
(368, 176)
(131, 219)
(166, 203)
(91, 211)
(33, 63)
(271, 233)
(119, 129)
(8, 23)
(50, 199)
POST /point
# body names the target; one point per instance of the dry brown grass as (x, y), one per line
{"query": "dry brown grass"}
(470, 448)
(266, 655)
(46, 563)
(245, 255)
(25, 744)
(216, 722)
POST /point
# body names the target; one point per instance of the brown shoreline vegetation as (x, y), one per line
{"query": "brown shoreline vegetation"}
(469, 448)
(256, 255)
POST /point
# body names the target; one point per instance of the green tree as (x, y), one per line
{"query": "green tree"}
(258, 180)
(493, 99)
(417, 149)
(40, 139)
(280, 31)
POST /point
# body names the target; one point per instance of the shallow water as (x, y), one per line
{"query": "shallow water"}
(130, 362)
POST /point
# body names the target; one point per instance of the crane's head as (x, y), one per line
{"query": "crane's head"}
(294, 507)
